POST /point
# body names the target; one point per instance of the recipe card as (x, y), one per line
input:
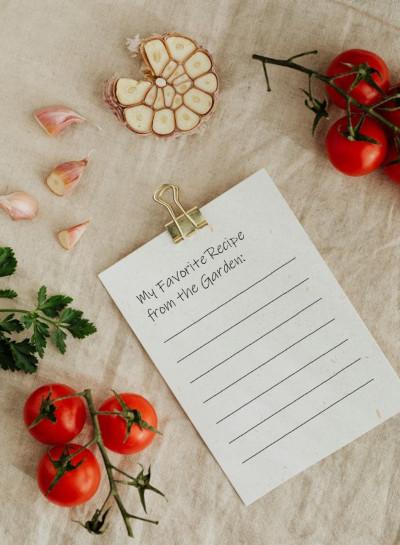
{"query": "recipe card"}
(255, 338)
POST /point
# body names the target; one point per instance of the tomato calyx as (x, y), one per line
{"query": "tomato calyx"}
(96, 525)
(396, 160)
(131, 417)
(362, 72)
(353, 132)
(395, 99)
(142, 483)
(47, 411)
(318, 107)
(63, 465)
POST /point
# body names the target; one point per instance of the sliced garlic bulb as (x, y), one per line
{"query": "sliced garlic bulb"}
(178, 93)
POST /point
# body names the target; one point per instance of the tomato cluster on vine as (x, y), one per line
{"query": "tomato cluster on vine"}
(359, 143)
(68, 473)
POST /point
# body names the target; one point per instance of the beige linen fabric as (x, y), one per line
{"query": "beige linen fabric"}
(52, 51)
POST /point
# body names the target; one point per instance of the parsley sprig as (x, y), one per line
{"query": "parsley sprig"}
(52, 318)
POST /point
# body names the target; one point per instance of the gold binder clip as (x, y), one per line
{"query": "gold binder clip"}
(186, 223)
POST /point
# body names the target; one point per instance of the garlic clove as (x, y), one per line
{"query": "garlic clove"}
(69, 237)
(176, 73)
(207, 83)
(186, 120)
(129, 91)
(178, 101)
(19, 205)
(159, 103)
(66, 176)
(157, 55)
(54, 119)
(181, 79)
(182, 84)
(183, 87)
(164, 122)
(169, 69)
(199, 63)
(198, 101)
(139, 118)
(179, 47)
(169, 94)
(151, 96)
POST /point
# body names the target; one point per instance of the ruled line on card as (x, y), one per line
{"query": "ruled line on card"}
(280, 382)
(231, 299)
(244, 319)
(307, 421)
(269, 360)
(256, 340)
(294, 401)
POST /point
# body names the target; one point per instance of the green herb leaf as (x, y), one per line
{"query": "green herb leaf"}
(39, 337)
(10, 324)
(42, 295)
(58, 337)
(28, 318)
(69, 315)
(23, 356)
(79, 327)
(6, 358)
(53, 305)
(8, 262)
(8, 294)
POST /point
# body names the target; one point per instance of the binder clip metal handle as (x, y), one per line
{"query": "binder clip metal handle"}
(184, 224)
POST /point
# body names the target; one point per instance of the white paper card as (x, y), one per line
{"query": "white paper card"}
(255, 338)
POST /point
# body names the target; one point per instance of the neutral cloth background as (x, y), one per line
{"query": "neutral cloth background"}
(52, 51)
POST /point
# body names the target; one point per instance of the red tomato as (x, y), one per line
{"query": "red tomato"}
(394, 116)
(74, 487)
(363, 92)
(113, 428)
(356, 158)
(70, 415)
(393, 171)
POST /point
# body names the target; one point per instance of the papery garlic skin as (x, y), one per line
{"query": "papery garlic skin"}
(66, 176)
(19, 205)
(178, 93)
(69, 237)
(54, 119)
(132, 45)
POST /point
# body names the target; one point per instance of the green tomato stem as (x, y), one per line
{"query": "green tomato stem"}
(87, 394)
